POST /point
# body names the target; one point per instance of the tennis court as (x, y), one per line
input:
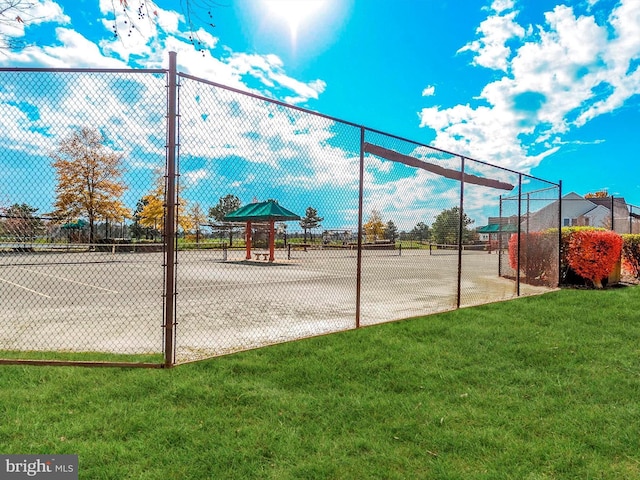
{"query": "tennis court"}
(113, 302)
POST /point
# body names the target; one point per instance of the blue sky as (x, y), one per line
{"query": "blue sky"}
(549, 88)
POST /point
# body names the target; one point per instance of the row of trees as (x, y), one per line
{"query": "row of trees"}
(20, 222)
(445, 229)
(90, 185)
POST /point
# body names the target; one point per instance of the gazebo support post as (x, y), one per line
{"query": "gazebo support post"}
(272, 240)
(248, 241)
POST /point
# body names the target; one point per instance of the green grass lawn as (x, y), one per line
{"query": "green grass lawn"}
(544, 387)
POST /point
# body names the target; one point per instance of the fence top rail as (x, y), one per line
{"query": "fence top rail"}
(540, 190)
(267, 99)
(83, 70)
(355, 125)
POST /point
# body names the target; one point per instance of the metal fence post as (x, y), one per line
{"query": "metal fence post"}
(170, 217)
(559, 232)
(613, 217)
(460, 231)
(360, 202)
(528, 211)
(499, 238)
(519, 233)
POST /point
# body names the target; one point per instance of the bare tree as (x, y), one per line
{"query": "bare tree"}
(198, 14)
(129, 18)
(89, 179)
(14, 14)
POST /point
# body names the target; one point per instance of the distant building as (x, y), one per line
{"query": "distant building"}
(498, 227)
(577, 211)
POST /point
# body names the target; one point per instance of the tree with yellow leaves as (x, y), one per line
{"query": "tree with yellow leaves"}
(153, 212)
(598, 194)
(89, 177)
(374, 228)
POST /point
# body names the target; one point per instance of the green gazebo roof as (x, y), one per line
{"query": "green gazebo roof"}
(77, 224)
(496, 228)
(261, 212)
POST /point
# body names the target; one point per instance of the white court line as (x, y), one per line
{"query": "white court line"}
(69, 280)
(24, 288)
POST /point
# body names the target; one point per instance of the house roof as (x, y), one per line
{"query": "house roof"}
(617, 202)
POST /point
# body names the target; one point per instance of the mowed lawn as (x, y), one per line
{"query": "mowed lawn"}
(543, 387)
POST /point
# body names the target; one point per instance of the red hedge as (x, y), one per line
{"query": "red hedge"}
(569, 277)
(631, 254)
(538, 257)
(594, 254)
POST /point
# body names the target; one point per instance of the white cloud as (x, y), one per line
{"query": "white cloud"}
(105, 6)
(72, 49)
(269, 70)
(491, 49)
(500, 6)
(238, 184)
(429, 91)
(194, 176)
(15, 20)
(168, 20)
(555, 77)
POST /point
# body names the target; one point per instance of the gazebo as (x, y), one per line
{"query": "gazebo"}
(269, 211)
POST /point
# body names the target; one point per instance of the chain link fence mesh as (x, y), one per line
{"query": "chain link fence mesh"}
(69, 284)
(400, 195)
(235, 150)
(379, 228)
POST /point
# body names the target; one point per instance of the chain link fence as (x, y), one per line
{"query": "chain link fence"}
(148, 267)
(67, 281)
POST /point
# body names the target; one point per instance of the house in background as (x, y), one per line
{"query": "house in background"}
(577, 211)
(622, 216)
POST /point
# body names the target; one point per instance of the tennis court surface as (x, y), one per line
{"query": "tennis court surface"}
(114, 302)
